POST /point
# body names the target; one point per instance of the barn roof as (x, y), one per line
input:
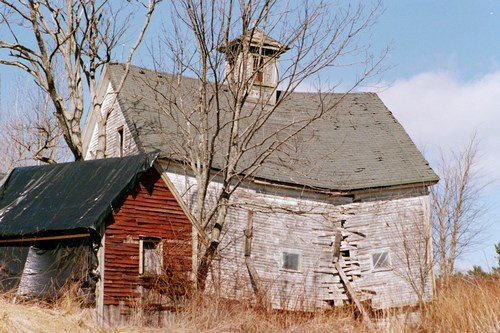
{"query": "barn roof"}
(66, 197)
(358, 144)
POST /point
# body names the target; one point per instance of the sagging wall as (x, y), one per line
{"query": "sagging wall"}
(393, 227)
(400, 228)
(287, 227)
(151, 214)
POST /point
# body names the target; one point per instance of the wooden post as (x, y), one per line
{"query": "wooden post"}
(336, 246)
(254, 276)
(352, 295)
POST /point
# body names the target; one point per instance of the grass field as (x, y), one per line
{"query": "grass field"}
(468, 305)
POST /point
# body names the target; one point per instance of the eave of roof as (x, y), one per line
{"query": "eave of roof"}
(256, 38)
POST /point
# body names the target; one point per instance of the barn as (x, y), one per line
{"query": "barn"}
(338, 213)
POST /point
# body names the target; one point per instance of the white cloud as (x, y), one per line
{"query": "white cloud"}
(439, 112)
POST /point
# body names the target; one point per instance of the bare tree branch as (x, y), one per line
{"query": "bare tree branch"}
(457, 206)
(222, 121)
(75, 37)
(30, 134)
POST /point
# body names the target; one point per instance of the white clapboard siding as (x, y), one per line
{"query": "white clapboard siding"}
(115, 121)
(365, 227)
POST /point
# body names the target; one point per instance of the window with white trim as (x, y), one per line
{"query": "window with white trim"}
(381, 260)
(291, 260)
(150, 255)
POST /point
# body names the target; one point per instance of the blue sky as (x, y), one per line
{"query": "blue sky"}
(459, 36)
(445, 85)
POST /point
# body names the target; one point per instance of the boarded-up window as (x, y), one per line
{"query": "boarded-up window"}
(381, 260)
(150, 256)
(291, 260)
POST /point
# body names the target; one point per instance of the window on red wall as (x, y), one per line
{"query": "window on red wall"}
(150, 255)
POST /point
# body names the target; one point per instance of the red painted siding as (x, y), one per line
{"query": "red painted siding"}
(148, 210)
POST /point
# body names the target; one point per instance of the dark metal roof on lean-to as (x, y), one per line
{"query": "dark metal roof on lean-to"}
(68, 196)
(357, 145)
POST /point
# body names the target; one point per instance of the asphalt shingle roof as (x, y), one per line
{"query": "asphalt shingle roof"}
(356, 145)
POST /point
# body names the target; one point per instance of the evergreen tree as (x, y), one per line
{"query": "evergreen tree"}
(497, 249)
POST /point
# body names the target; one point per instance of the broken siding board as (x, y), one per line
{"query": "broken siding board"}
(403, 286)
(352, 295)
(392, 288)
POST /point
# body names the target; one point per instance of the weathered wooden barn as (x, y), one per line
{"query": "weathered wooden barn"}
(110, 227)
(343, 206)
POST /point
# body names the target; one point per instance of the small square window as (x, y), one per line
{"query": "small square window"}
(381, 260)
(291, 261)
(150, 256)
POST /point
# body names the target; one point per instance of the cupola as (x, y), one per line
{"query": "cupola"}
(261, 72)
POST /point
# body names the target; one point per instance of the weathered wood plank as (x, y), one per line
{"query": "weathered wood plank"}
(352, 295)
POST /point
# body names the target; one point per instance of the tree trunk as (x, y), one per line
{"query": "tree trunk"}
(211, 250)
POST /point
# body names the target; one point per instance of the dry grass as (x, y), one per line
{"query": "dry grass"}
(467, 306)
(205, 314)
(30, 316)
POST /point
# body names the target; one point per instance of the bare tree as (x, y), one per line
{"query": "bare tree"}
(63, 45)
(30, 132)
(457, 207)
(222, 121)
